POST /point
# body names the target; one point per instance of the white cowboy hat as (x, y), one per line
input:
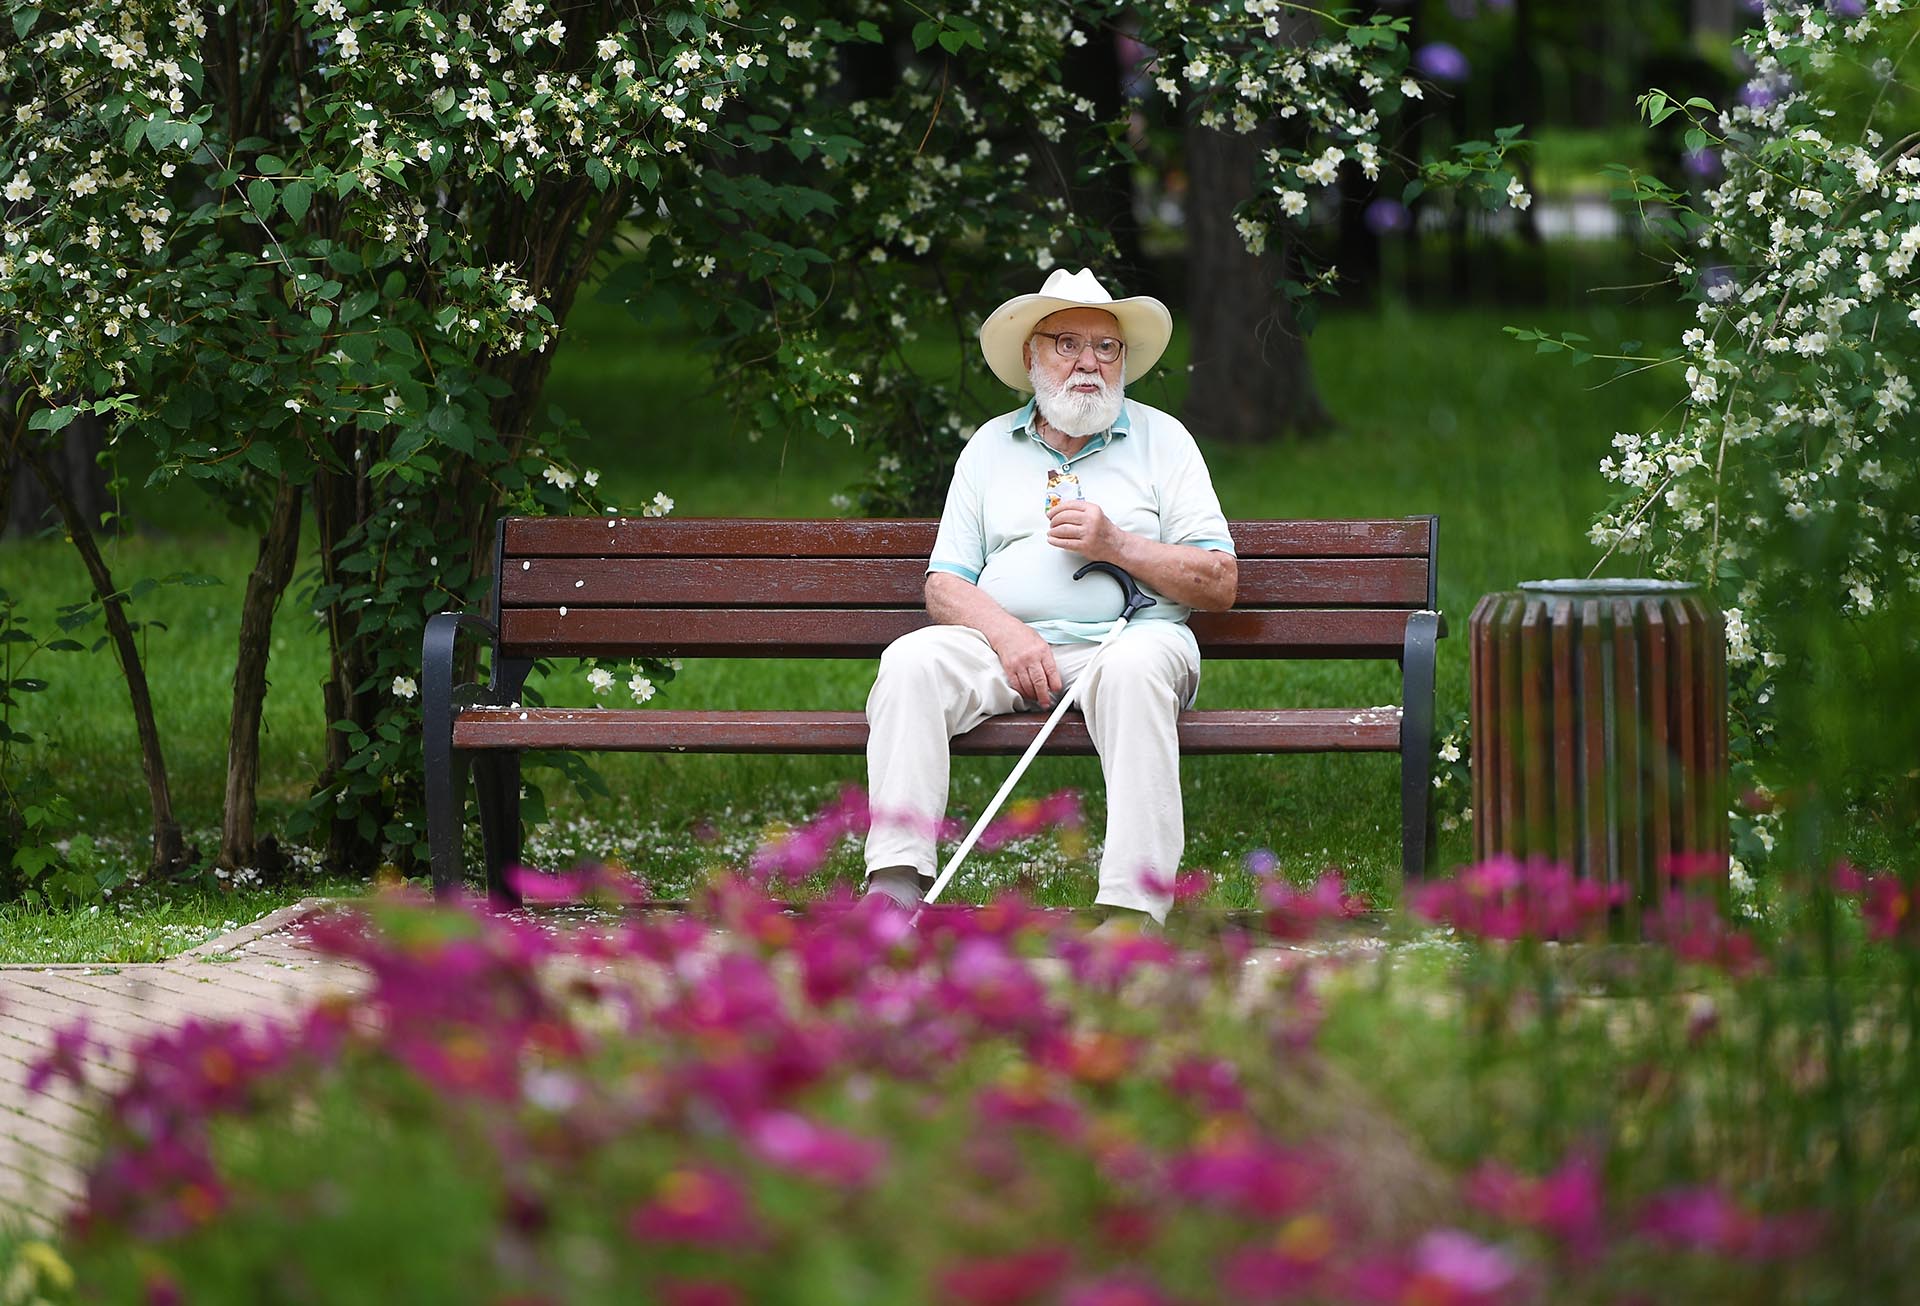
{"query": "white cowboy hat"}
(1144, 322)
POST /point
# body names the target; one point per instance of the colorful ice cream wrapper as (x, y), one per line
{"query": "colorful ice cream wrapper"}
(1061, 486)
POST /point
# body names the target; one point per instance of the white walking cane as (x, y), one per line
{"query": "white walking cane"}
(1135, 601)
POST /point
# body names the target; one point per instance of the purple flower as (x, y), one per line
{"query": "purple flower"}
(1441, 62)
(1261, 863)
(71, 1045)
(1703, 164)
(1387, 217)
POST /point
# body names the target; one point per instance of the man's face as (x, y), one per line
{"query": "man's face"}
(1079, 395)
(1084, 374)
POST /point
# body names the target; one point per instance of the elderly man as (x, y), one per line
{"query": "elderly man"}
(1080, 474)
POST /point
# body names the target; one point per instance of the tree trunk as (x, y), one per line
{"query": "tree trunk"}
(168, 845)
(1250, 378)
(339, 506)
(271, 572)
(26, 507)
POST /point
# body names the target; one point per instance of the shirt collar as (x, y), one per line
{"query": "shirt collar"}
(1027, 421)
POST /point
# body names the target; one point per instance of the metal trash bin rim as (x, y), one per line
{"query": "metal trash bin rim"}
(1625, 587)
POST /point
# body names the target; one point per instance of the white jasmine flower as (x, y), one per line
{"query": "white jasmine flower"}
(559, 477)
(640, 687)
(404, 687)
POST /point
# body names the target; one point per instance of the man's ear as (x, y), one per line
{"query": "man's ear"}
(1026, 354)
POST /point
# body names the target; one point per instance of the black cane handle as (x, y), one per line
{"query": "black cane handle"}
(1136, 598)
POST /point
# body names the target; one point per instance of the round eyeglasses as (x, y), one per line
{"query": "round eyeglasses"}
(1068, 345)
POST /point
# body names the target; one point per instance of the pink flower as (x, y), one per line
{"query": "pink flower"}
(1688, 867)
(791, 1142)
(1506, 899)
(1888, 908)
(1122, 1289)
(700, 1292)
(1466, 1269)
(1246, 1174)
(1297, 914)
(582, 884)
(1013, 1280)
(1211, 1084)
(1705, 1219)
(802, 851)
(1697, 932)
(700, 1206)
(1445, 1268)
(1566, 1204)
(1034, 816)
(1191, 884)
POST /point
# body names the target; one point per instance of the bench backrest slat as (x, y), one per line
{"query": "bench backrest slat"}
(728, 537)
(897, 582)
(844, 632)
(718, 587)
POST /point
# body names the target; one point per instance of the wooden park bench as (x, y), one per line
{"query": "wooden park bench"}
(691, 588)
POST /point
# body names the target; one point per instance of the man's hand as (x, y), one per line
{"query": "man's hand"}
(1079, 526)
(1028, 661)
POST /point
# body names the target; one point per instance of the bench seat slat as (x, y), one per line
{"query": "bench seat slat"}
(826, 632)
(638, 537)
(884, 582)
(1300, 730)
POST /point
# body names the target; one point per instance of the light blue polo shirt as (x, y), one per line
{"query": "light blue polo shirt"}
(1146, 474)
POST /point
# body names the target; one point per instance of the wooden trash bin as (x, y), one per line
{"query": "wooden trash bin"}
(1600, 727)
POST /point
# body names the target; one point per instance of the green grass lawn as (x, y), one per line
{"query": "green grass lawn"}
(1439, 412)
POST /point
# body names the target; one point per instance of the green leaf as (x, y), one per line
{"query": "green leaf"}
(357, 304)
(598, 174)
(648, 173)
(924, 33)
(296, 198)
(265, 457)
(23, 22)
(270, 163)
(322, 316)
(953, 42)
(260, 194)
(53, 419)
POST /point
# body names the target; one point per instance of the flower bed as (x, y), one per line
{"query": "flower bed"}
(744, 1104)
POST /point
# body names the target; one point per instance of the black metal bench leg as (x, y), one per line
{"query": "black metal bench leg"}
(497, 776)
(1416, 746)
(446, 805)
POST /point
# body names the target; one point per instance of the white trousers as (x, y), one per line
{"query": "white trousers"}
(942, 680)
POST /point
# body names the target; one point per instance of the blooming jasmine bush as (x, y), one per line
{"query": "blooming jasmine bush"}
(1784, 478)
(869, 198)
(742, 1104)
(318, 253)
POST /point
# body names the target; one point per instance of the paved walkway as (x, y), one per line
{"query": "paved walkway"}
(263, 969)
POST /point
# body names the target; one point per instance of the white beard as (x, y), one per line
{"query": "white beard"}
(1077, 414)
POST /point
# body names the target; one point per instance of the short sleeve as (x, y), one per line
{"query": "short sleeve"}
(961, 545)
(1190, 511)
